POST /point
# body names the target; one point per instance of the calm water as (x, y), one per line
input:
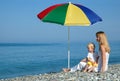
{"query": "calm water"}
(29, 59)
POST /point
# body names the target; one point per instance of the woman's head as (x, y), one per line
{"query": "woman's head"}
(102, 39)
(91, 47)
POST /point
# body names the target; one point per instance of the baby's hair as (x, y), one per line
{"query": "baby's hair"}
(91, 45)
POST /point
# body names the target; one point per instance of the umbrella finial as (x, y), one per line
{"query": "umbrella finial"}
(69, 2)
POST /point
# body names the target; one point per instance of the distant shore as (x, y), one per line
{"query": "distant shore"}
(113, 74)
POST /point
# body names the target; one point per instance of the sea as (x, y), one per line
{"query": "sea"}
(22, 59)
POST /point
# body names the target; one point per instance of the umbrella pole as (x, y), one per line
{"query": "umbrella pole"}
(68, 47)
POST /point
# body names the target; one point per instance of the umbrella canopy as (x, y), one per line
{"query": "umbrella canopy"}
(69, 14)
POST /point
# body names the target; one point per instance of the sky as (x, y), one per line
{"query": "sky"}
(19, 22)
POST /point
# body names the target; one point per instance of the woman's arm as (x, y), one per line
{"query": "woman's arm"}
(103, 53)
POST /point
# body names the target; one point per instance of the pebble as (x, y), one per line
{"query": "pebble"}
(113, 74)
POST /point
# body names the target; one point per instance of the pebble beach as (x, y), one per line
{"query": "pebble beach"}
(113, 74)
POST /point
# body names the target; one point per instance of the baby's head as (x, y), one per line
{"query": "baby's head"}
(91, 47)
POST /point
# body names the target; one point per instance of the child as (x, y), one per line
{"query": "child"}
(91, 58)
(83, 62)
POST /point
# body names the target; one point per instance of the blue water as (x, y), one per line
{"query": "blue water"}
(30, 59)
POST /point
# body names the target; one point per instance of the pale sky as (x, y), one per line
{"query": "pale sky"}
(19, 22)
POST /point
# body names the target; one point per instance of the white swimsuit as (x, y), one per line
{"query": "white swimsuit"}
(100, 61)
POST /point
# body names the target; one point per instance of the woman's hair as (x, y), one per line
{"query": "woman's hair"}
(92, 45)
(103, 40)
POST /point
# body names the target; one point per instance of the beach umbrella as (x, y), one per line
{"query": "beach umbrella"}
(69, 14)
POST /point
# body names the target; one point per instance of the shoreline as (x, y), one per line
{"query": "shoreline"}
(113, 74)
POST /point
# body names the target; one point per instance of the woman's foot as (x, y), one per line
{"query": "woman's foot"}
(66, 69)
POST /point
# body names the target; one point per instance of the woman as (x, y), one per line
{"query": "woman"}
(104, 51)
